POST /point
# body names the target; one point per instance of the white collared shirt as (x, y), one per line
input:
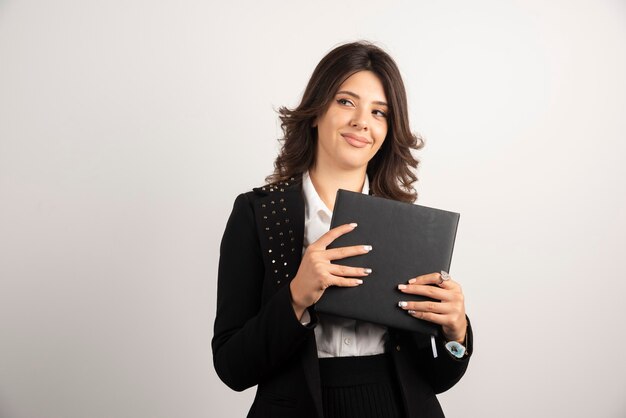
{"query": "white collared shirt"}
(336, 336)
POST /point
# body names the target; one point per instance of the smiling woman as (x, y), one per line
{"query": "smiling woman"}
(325, 88)
(350, 131)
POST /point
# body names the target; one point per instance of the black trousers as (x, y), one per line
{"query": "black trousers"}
(363, 387)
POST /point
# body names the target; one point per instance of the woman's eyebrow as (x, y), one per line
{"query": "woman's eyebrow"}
(356, 96)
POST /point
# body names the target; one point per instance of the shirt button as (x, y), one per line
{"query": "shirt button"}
(347, 341)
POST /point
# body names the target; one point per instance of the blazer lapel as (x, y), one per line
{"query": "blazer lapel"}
(279, 213)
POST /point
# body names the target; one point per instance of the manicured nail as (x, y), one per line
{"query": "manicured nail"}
(410, 312)
(402, 304)
(353, 224)
(359, 281)
(401, 286)
(412, 281)
(367, 271)
(367, 247)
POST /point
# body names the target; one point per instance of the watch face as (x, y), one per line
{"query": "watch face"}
(456, 349)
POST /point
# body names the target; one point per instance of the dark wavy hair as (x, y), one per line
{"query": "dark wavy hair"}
(392, 170)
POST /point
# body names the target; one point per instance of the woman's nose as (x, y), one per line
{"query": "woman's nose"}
(359, 122)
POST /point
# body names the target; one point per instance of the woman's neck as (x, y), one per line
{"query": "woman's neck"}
(327, 181)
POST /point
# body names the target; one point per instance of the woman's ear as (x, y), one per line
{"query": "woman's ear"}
(314, 123)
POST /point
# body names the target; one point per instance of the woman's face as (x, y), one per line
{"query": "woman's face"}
(355, 124)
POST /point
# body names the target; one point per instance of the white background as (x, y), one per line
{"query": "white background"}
(127, 128)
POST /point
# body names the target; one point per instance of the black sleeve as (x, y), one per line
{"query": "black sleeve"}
(250, 339)
(446, 370)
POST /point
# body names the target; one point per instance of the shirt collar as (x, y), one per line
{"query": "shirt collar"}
(314, 203)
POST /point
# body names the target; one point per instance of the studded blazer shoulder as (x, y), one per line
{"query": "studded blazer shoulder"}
(259, 341)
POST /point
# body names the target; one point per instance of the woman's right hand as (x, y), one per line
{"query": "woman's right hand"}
(316, 272)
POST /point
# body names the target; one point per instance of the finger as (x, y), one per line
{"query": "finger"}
(325, 240)
(425, 290)
(426, 306)
(343, 281)
(429, 316)
(345, 252)
(431, 278)
(434, 279)
(345, 271)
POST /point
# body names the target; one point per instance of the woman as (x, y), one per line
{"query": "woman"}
(350, 131)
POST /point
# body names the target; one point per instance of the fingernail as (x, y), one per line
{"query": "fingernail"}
(402, 304)
(412, 281)
(401, 286)
(367, 271)
(353, 224)
(359, 281)
(410, 312)
(367, 247)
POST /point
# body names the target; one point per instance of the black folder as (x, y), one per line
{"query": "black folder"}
(408, 240)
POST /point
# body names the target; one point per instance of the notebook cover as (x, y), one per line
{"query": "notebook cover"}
(408, 240)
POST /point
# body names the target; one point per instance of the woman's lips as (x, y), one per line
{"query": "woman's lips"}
(355, 140)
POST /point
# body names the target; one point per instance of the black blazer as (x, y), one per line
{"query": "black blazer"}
(259, 341)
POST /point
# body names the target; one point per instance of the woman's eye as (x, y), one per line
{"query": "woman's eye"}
(380, 113)
(344, 102)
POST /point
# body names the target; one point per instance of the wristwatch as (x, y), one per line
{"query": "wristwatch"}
(456, 349)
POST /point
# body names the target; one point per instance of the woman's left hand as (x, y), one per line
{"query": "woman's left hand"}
(448, 310)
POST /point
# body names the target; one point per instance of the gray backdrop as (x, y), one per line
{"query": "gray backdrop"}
(127, 128)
